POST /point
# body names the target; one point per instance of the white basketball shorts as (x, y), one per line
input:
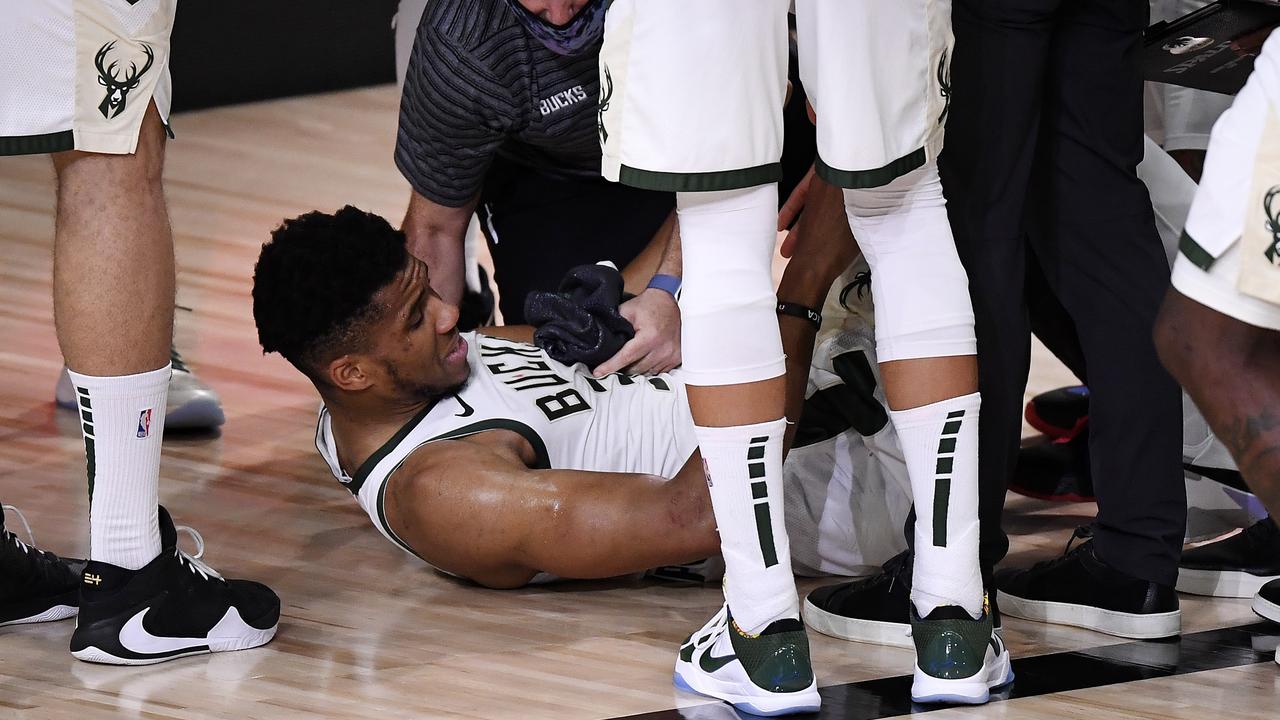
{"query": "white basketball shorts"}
(691, 93)
(877, 73)
(79, 74)
(1229, 257)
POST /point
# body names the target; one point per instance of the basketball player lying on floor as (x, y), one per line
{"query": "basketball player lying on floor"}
(479, 454)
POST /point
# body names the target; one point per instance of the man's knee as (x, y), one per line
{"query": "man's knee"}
(904, 233)
(729, 329)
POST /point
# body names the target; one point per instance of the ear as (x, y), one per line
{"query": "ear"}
(349, 372)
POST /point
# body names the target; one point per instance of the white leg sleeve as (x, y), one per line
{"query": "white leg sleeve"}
(921, 291)
(728, 307)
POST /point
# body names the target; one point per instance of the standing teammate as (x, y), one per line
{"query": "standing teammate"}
(88, 82)
(1219, 329)
(878, 80)
(1047, 94)
(691, 101)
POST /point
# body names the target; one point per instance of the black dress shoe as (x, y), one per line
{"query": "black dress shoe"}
(1080, 589)
(1267, 604)
(1234, 567)
(872, 610)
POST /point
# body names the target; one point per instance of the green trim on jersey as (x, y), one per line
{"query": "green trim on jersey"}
(37, 144)
(366, 467)
(701, 182)
(382, 520)
(1192, 251)
(542, 458)
(879, 177)
(541, 462)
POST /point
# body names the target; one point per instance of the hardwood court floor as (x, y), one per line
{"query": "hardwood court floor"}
(366, 631)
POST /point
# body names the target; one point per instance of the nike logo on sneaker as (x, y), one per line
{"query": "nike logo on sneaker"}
(710, 663)
(135, 638)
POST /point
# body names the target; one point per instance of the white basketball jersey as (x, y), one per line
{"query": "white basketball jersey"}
(572, 420)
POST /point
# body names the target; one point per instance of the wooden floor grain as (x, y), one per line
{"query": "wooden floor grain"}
(368, 632)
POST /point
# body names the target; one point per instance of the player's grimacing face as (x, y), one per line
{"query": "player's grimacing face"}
(417, 341)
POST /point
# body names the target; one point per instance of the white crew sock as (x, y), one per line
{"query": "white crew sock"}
(744, 473)
(123, 421)
(940, 444)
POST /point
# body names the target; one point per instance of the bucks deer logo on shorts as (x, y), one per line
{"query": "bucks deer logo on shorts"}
(118, 81)
(606, 96)
(1273, 224)
(944, 87)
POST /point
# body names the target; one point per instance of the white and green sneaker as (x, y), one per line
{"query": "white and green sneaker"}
(766, 674)
(959, 659)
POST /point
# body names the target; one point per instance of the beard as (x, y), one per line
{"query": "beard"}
(412, 392)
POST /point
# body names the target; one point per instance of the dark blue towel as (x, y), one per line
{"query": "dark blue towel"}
(580, 322)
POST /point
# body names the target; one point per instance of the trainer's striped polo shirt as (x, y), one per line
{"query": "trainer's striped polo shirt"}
(480, 85)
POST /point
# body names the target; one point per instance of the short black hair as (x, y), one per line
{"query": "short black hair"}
(315, 280)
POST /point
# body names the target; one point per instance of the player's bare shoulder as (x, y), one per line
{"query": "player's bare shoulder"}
(490, 451)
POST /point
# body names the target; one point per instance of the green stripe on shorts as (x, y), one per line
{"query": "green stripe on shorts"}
(1193, 252)
(879, 177)
(37, 144)
(700, 182)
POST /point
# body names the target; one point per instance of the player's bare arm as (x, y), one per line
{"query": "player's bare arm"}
(474, 508)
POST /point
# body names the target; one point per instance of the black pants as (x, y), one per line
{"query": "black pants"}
(1043, 141)
(539, 227)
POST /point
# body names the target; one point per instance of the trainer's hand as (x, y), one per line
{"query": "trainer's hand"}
(656, 346)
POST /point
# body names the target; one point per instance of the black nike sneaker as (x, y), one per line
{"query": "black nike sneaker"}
(1080, 589)
(1061, 413)
(174, 607)
(35, 586)
(873, 610)
(1237, 566)
(960, 659)
(764, 674)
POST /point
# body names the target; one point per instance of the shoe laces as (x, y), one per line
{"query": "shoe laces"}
(44, 564)
(31, 537)
(1083, 532)
(898, 568)
(193, 562)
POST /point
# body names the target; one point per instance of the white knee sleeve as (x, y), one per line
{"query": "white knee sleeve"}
(727, 308)
(921, 291)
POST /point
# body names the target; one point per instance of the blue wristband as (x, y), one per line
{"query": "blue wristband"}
(666, 283)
